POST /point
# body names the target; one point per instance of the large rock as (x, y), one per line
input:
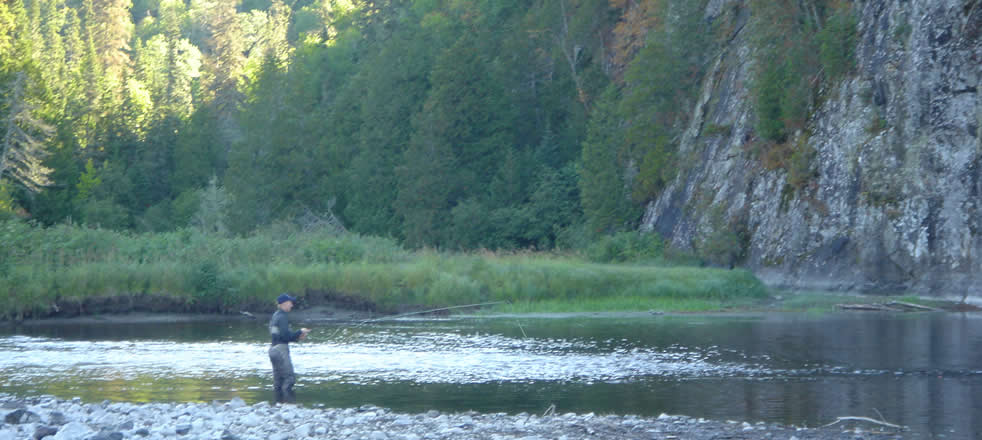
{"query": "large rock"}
(57, 418)
(182, 429)
(21, 416)
(44, 432)
(73, 431)
(107, 436)
(250, 420)
(898, 155)
(236, 403)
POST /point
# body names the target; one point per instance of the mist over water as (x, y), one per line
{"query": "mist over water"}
(921, 370)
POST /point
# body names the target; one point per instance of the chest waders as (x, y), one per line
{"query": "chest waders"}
(283, 376)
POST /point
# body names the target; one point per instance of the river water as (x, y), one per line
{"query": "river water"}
(922, 370)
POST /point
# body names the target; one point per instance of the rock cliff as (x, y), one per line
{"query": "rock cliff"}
(894, 204)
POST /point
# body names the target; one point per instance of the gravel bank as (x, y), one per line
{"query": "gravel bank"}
(56, 419)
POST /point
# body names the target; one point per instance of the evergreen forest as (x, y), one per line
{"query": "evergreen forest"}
(447, 124)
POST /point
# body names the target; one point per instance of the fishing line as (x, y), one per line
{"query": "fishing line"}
(403, 315)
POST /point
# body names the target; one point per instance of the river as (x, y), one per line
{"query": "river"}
(923, 370)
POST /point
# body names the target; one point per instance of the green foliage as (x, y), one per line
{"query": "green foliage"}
(88, 182)
(553, 208)
(837, 42)
(441, 124)
(208, 286)
(727, 240)
(824, 39)
(304, 108)
(42, 266)
(104, 213)
(659, 166)
(877, 125)
(660, 87)
(769, 88)
(802, 169)
(212, 214)
(717, 130)
(606, 203)
(902, 32)
(7, 204)
(626, 247)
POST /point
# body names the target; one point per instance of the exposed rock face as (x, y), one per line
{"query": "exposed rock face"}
(896, 202)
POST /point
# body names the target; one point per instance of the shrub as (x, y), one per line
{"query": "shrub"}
(208, 285)
(837, 41)
(626, 246)
(727, 241)
(789, 75)
(800, 170)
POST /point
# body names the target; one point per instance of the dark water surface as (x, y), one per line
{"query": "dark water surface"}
(921, 370)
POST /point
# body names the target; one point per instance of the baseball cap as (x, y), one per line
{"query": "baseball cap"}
(284, 298)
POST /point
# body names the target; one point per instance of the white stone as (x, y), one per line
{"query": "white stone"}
(378, 435)
(452, 432)
(303, 430)
(8, 435)
(73, 431)
(250, 420)
(197, 424)
(236, 403)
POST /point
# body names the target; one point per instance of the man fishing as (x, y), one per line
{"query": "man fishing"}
(279, 352)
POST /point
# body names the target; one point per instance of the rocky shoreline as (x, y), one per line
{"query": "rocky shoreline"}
(57, 419)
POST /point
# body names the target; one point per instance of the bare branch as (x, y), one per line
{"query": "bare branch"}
(865, 419)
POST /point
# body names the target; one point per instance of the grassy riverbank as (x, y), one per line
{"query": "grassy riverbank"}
(44, 270)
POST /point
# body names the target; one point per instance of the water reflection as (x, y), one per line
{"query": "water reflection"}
(922, 370)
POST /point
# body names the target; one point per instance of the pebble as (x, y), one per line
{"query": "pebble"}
(237, 420)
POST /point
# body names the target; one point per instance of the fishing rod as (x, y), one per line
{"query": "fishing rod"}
(422, 312)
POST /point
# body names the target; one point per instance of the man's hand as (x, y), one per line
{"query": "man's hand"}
(303, 332)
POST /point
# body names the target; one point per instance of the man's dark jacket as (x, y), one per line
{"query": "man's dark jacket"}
(279, 329)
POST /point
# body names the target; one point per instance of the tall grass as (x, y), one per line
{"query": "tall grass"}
(40, 267)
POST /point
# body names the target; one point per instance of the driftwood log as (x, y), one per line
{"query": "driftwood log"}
(865, 419)
(892, 306)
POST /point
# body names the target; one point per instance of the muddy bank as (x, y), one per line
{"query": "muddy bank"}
(314, 305)
(56, 419)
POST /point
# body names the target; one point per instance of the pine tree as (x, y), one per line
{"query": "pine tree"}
(111, 29)
(254, 179)
(374, 113)
(25, 137)
(53, 55)
(603, 191)
(425, 192)
(7, 29)
(224, 65)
